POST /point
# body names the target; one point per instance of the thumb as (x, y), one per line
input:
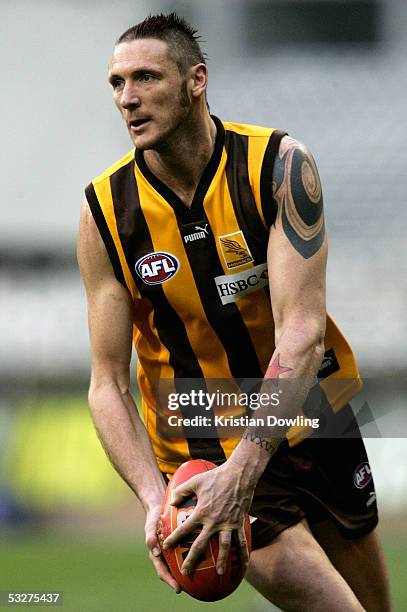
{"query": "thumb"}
(152, 544)
(184, 490)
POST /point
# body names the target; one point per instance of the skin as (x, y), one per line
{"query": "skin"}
(177, 138)
(294, 573)
(114, 413)
(348, 557)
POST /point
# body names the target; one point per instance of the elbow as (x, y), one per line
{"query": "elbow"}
(304, 337)
(314, 337)
(106, 385)
(310, 343)
(317, 348)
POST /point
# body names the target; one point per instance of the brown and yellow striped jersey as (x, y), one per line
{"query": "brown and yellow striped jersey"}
(198, 277)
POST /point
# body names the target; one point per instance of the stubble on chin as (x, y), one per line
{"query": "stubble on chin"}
(160, 143)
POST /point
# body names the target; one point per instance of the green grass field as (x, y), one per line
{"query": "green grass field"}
(54, 463)
(116, 576)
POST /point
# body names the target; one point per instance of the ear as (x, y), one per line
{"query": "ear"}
(199, 80)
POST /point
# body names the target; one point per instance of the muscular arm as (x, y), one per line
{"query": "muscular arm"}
(297, 254)
(114, 413)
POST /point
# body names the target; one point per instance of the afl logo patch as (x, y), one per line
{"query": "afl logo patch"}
(157, 268)
(362, 475)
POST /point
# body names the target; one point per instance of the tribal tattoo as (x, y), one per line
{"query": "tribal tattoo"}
(298, 194)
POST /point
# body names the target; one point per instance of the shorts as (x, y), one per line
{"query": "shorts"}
(318, 479)
(321, 478)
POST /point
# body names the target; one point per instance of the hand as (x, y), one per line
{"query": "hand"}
(155, 552)
(224, 497)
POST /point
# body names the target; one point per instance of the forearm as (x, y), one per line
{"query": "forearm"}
(291, 373)
(126, 442)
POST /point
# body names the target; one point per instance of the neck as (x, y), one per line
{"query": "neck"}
(180, 162)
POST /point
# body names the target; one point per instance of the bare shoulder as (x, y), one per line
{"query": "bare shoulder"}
(94, 263)
(298, 194)
(93, 259)
(110, 306)
(288, 142)
(294, 160)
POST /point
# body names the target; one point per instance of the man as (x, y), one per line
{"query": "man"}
(174, 244)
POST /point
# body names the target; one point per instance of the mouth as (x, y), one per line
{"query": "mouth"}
(136, 124)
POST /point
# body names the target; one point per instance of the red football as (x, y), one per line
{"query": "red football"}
(203, 582)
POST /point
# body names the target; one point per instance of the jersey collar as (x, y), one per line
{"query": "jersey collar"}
(195, 212)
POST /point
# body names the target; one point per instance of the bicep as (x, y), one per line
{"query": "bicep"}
(110, 306)
(297, 248)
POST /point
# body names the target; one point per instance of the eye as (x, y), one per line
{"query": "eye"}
(116, 83)
(146, 78)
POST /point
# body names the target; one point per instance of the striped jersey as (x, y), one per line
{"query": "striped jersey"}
(198, 279)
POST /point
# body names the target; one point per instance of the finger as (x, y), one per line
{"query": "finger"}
(184, 490)
(191, 524)
(243, 547)
(163, 572)
(224, 549)
(196, 550)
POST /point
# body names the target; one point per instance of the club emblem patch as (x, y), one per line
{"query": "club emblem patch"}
(156, 268)
(235, 250)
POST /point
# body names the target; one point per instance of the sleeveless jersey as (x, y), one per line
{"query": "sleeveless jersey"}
(198, 278)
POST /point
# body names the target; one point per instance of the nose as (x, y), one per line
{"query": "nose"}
(129, 97)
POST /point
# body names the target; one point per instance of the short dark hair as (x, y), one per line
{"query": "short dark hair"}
(181, 37)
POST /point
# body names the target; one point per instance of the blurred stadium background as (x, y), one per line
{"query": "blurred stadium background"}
(333, 74)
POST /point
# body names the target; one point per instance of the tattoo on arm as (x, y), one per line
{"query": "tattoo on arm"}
(269, 447)
(275, 369)
(298, 194)
(257, 434)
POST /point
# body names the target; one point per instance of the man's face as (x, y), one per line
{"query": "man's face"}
(148, 90)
